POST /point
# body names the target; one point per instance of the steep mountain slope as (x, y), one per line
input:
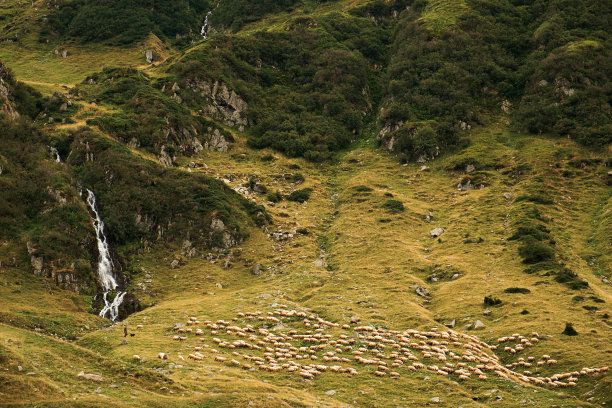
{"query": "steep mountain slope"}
(273, 250)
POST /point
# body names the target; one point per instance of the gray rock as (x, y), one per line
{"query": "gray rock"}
(421, 291)
(174, 264)
(436, 232)
(164, 158)
(257, 269)
(486, 312)
(435, 400)
(331, 393)
(478, 325)
(320, 262)
(450, 324)
(507, 196)
(150, 56)
(469, 168)
(217, 142)
(464, 186)
(92, 377)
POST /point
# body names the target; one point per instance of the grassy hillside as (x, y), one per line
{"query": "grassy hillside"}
(255, 206)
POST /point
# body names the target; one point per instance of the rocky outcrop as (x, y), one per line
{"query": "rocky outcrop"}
(223, 238)
(217, 142)
(65, 278)
(221, 102)
(6, 100)
(165, 158)
(386, 136)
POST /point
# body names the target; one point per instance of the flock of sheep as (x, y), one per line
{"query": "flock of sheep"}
(264, 342)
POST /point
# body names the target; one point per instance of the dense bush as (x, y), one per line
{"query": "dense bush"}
(534, 251)
(569, 330)
(524, 291)
(39, 202)
(393, 206)
(450, 61)
(139, 200)
(491, 301)
(147, 117)
(235, 14)
(127, 21)
(308, 90)
(300, 196)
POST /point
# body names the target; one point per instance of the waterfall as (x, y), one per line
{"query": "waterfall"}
(205, 25)
(55, 154)
(105, 264)
(204, 30)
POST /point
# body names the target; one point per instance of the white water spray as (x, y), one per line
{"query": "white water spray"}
(55, 154)
(105, 264)
(204, 30)
(205, 25)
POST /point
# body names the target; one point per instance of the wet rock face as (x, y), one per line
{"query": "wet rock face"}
(129, 305)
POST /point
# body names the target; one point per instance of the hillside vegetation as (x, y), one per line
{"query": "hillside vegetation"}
(324, 203)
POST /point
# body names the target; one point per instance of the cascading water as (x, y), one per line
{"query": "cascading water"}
(55, 154)
(205, 25)
(204, 30)
(105, 264)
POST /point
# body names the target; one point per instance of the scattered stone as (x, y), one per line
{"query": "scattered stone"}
(175, 264)
(423, 168)
(507, 196)
(421, 291)
(487, 312)
(478, 325)
(436, 232)
(455, 276)
(450, 324)
(331, 393)
(470, 168)
(92, 377)
(320, 262)
(435, 400)
(257, 269)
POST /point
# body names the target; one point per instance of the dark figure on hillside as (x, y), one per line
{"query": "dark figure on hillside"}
(125, 333)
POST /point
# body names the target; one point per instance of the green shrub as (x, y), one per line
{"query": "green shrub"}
(534, 252)
(492, 301)
(275, 197)
(536, 231)
(524, 291)
(543, 266)
(128, 21)
(300, 196)
(570, 278)
(294, 178)
(393, 206)
(569, 330)
(578, 298)
(524, 312)
(363, 189)
(535, 198)
(590, 308)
